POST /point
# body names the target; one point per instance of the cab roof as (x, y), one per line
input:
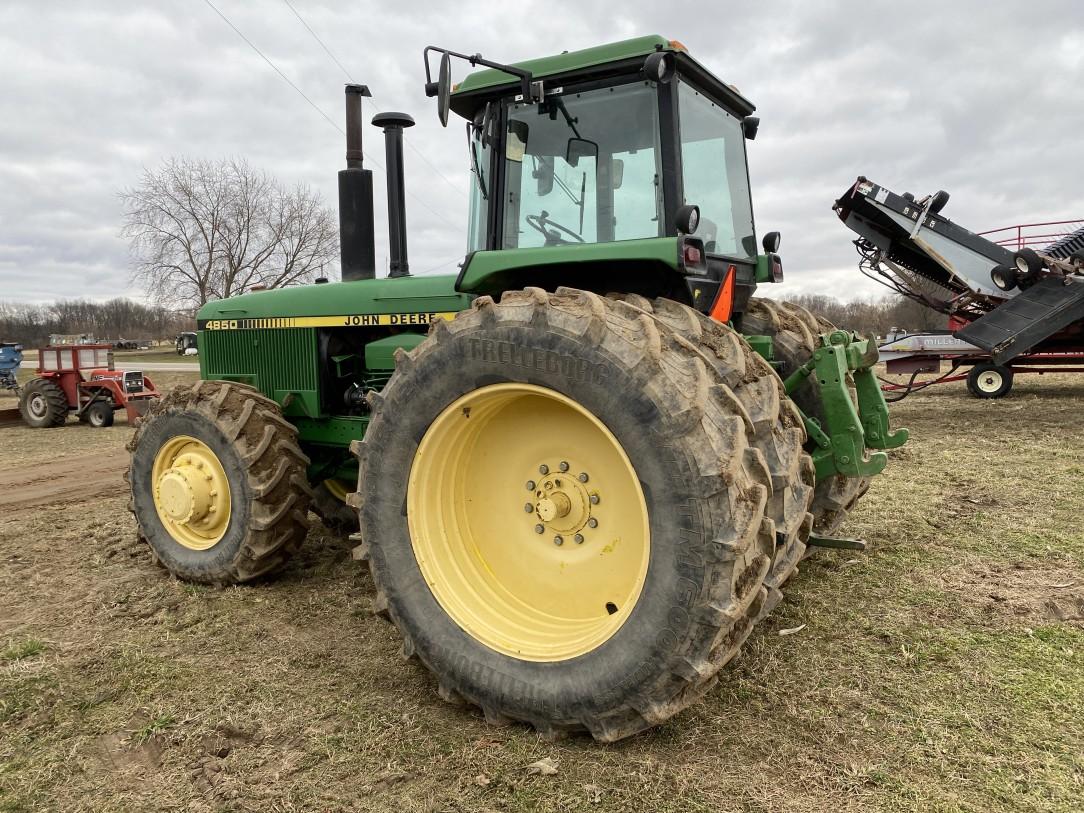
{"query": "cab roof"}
(597, 61)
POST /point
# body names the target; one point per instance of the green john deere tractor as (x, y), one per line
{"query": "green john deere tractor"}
(582, 469)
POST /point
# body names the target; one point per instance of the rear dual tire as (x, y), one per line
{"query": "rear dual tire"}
(794, 331)
(689, 443)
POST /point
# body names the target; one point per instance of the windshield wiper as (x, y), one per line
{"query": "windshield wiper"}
(475, 165)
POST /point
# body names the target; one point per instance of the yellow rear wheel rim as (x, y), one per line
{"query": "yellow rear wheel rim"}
(528, 522)
(191, 492)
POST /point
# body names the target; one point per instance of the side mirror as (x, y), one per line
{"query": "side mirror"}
(617, 173)
(580, 148)
(749, 126)
(771, 242)
(543, 173)
(444, 89)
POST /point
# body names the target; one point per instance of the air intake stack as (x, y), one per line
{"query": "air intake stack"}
(356, 249)
(393, 125)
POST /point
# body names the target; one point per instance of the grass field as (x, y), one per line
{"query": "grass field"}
(941, 671)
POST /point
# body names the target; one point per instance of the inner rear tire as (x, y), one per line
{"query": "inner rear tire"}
(249, 454)
(777, 428)
(704, 486)
(794, 330)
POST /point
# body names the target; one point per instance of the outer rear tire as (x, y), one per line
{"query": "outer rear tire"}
(794, 330)
(265, 469)
(43, 404)
(706, 486)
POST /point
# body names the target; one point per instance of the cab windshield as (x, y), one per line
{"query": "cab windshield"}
(583, 168)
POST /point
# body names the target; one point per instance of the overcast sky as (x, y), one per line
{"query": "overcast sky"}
(983, 99)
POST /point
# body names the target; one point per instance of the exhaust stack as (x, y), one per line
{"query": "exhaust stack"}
(357, 252)
(393, 125)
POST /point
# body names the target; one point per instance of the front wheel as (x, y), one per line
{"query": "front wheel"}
(563, 513)
(99, 414)
(218, 483)
(989, 380)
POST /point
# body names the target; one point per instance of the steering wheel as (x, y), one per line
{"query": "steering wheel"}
(553, 238)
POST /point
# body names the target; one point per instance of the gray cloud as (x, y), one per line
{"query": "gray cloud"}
(980, 99)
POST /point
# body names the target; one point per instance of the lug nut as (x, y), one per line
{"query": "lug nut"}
(583, 477)
(593, 522)
(543, 469)
(564, 465)
(594, 499)
(558, 541)
(530, 485)
(539, 529)
(528, 508)
(579, 539)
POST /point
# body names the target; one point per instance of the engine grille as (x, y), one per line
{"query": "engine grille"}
(274, 361)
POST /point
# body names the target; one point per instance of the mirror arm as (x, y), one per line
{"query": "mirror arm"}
(525, 77)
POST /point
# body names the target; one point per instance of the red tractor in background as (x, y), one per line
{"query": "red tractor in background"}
(80, 378)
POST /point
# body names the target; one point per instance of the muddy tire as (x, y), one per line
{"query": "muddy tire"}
(334, 513)
(251, 515)
(43, 404)
(777, 428)
(686, 445)
(794, 330)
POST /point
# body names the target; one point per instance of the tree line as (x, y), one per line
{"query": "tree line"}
(875, 316)
(31, 325)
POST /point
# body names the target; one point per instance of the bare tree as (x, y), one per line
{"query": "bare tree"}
(202, 230)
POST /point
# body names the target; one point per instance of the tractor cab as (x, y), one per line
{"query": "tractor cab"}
(624, 159)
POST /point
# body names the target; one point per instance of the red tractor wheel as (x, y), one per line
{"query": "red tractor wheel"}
(43, 404)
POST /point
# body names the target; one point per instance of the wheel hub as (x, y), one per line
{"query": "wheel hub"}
(191, 493)
(562, 502)
(37, 405)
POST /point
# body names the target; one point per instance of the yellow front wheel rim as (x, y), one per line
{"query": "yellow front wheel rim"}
(528, 522)
(191, 492)
(337, 489)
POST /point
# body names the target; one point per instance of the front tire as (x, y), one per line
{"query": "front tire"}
(43, 404)
(612, 627)
(99, 414)
(218, 483)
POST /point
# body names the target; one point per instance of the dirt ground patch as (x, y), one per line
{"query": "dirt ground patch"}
(942, 671)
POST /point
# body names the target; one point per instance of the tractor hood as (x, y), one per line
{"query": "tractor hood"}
(341, 304)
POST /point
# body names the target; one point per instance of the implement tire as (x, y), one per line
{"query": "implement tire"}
(778, 431)
(488, 432)
(794, 331)
(218, 483)
(43, 404)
